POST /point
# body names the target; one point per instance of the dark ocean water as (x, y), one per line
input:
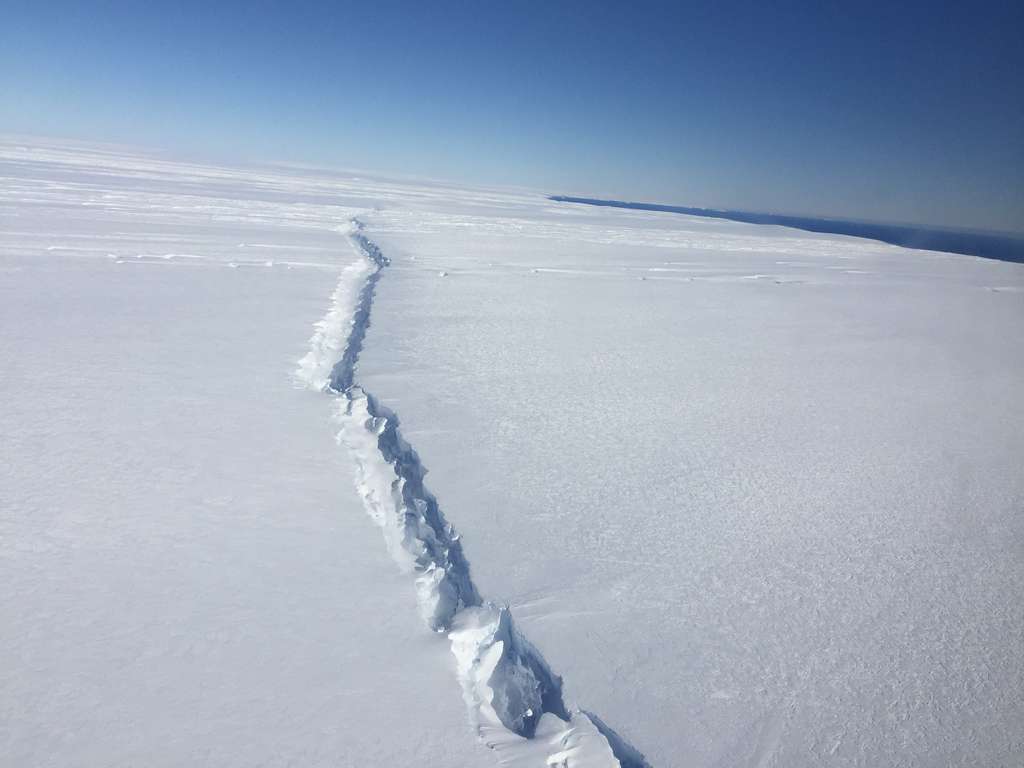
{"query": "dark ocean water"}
(989, 245)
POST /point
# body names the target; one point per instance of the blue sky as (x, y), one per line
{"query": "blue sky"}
(888, 111)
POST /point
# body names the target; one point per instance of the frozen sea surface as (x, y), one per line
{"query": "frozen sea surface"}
(755, 494)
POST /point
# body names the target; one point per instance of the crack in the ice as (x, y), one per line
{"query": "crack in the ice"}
(344, 370)
(506, 681)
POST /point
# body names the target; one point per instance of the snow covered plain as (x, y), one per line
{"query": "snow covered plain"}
(754, 494)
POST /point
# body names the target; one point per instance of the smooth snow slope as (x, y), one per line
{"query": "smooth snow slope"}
(756, 493)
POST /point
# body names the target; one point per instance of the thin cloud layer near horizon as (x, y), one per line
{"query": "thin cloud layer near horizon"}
(910, 113)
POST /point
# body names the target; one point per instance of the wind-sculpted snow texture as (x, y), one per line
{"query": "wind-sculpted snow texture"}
(768, 482)
(509, 689)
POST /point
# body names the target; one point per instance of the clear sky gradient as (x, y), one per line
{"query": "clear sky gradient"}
(910, 112)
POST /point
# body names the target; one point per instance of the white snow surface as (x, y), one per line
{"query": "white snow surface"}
(754, 494)
(764, 507)
(186, 573)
